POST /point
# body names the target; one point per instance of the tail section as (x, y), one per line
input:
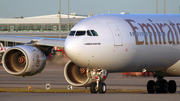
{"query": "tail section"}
(2, 47)
(2, 50)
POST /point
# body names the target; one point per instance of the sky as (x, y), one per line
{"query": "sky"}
(29, 8)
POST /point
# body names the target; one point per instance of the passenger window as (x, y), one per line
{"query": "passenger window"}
(94, 33)
(89, 33)
(72, 33)
(80, 33)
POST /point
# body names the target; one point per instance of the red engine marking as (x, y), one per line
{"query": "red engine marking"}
(83, 70)
(21, 59)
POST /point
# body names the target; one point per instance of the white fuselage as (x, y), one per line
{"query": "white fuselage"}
(127, 43)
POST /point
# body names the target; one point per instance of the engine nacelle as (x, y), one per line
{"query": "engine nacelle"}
(24, 60)
(76, 75)
(82, 77)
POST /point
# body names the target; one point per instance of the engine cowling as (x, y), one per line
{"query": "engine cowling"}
(23, 60)
(77, 76)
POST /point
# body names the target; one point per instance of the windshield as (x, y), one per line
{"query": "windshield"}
(72, 33)
(89, 33)
(94, 33)
(80, 33)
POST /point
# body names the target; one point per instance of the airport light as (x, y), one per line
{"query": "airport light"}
(68, 16)
(164, 6)
(59, 18)
(156, 6)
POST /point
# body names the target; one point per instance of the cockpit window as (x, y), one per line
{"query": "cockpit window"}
(89, 33)
(94, 33)
(72, 33)
(80, 33)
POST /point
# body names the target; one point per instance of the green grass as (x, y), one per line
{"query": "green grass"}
(65, 90)
(42, 90)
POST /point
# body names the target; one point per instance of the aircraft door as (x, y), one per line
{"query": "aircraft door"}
(116, 34)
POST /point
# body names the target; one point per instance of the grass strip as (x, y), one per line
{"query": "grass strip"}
(42, 90)
(66, 91)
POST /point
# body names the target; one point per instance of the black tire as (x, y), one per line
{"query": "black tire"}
(151, 86)
(93, 88)
(172, 86)
(163, 86)
(102, 88)
(157, 85)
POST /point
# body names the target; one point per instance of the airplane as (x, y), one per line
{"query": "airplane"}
(2, 50)
(103, 44)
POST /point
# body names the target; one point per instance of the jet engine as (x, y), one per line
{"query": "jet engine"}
(23, 60)
(79, 76)
(76, 75)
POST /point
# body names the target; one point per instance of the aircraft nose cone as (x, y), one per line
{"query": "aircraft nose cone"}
(76, 51)
(72, 46)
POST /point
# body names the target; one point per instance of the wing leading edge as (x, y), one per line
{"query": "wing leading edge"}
(39, 40)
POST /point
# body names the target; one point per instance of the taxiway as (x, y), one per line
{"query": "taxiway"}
(55, 76)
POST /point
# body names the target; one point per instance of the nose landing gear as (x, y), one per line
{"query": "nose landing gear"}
(94, 88)
(99, 85)
(161, 86)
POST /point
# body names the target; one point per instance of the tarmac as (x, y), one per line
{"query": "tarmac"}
(87, 97)
(53, 74)
(55, 77)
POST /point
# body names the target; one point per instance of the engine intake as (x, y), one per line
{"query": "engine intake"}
(75, 75)
(24, 60)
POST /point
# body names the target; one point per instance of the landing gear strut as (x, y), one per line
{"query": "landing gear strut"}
(99, 85)
(161, 86)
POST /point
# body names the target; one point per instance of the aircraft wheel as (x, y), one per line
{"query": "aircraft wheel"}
(102, 88)
(162, 86)
(172, 86)
(93, 88)
(151, 86)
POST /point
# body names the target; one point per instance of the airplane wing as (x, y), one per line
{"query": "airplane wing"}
(39, 40)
